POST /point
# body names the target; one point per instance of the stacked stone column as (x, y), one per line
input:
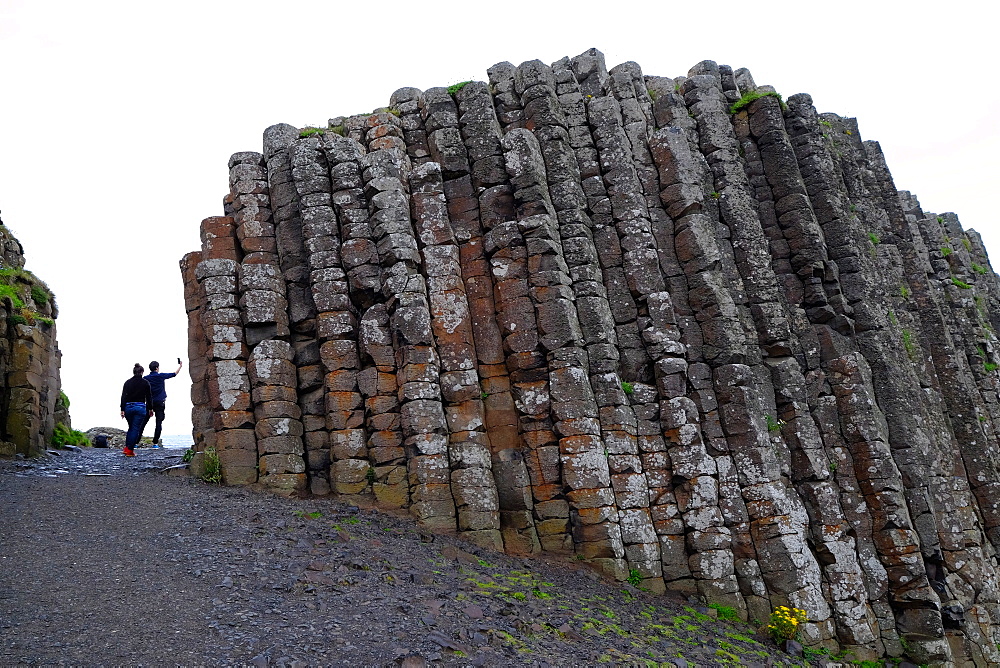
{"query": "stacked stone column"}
(407, 102)
(469, 449)
(264, 312)
(404, 288)
(645, 344)
(228, 384)
(484, 173)
(361, 387)
(329, 302)
(278, 425)
(201, 410)
(507, 102)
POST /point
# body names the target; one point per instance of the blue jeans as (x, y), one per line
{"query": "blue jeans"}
(135, 414)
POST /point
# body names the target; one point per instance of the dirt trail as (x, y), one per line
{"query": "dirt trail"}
(104, 561)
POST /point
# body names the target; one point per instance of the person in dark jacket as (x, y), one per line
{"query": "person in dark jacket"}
(137, 406)
(155, 380)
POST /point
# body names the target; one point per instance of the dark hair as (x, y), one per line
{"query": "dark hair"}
(154, 365)
(137, 369)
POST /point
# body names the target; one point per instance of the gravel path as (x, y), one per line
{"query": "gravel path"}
(104, 562)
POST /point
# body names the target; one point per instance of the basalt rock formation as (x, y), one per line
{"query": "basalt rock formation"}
(31, 404)
(676, 326)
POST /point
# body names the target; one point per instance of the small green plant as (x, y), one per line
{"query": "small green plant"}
(308, 516)
(904, 292)
(827, 124)
(17, 319)
(726, 613)
(715, 194)
(872, 237)
(188, 455)
(454, 88)
(309, 132)
(852, 208)
(892, 318)
(652, 94)
(982, 418)
(960, 284)
(8, 292)
(940, 220)
(19, 284)
(908, 343)
(772, 424)
(370, 475)
(579, 556)
(353, 519)
(484, 395)
(337, 129)
(833, 465)
(990, 366)
(634, 577)
(39, 295)
(978, 268)
(785, 623)
(63, 435)
(966, 243)
(213, 468)
(752, 96)
(810, 654)
(946, 251)
(48, 322)
(627, 388)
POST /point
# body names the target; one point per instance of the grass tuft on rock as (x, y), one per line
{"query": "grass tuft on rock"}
(753, 96)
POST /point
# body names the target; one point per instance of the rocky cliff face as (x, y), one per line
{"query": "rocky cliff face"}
(675, 326)
(30, 404)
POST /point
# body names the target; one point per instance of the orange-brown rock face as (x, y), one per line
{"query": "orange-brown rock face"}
(694, 336)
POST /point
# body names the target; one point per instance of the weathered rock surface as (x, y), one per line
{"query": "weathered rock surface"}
(30, 405)
(693, 335)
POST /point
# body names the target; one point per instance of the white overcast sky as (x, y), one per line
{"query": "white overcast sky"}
(117, 119)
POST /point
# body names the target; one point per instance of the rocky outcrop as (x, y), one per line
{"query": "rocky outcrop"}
(31, 403)
(677, 326)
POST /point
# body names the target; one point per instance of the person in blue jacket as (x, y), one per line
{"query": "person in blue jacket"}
(159, 392)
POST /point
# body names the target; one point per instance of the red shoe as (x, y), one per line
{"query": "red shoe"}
(128, 452)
